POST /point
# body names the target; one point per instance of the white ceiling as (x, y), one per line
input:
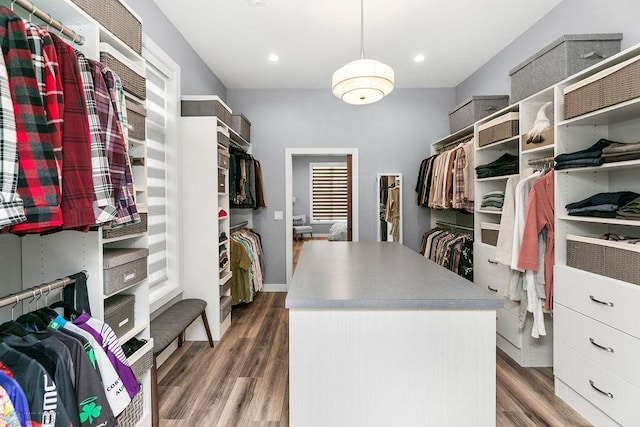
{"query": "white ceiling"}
(314, 38)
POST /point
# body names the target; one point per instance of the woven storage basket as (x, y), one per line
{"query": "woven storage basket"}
(225, 307)
(136, 116)
(609, 87)
(225, 287)
(489, 233)
(223, 159)
(143, 365)
(503, 127)
(602, 257)
(242, 125)
(223, 140)
(139, 227)
(133, 412)
(115, 17)
(132, 82)
(206, 106)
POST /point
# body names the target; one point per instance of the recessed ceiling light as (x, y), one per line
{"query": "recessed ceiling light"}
(257, 2)
(273, 57)
(418, 58)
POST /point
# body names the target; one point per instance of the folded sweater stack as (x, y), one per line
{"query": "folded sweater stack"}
(507, 164)
(591, 156)
(493, 201)
(607, 205)
(620, 152)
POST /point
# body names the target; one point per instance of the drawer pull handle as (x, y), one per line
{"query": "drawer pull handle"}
(606, 393)
(609, 304)
(492, 262)
(609, 349)
(492, 289)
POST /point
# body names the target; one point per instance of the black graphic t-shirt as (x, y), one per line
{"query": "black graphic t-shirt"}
(93, 405)
(45, 407)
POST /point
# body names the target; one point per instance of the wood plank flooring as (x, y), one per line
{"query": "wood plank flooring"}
(243, 381)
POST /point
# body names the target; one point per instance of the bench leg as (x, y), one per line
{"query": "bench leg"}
(206, 327)
(155, 411)
(180, 339)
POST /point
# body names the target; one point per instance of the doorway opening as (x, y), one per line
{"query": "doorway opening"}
(290, 153)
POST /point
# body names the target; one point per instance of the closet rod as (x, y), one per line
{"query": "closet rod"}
(238, 226)
(541, 161)
(49, 20)
(37, 290)
(449, 225)
(459, 141)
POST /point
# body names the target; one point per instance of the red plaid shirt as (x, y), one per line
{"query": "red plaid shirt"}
(77, 183)
(38, 176)
(53, 98)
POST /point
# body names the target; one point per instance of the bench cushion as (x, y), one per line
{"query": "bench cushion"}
(172, 322)
(301, 229)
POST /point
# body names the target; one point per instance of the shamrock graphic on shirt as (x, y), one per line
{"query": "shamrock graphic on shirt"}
(89, 410)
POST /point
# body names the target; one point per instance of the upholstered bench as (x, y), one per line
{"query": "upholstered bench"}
(166, 328)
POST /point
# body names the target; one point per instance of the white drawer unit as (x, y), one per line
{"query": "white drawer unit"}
(609, 301)
(483, 259)
(488, 281)
(611, 394)
(513, 340)
(613, 350)
(508, 326)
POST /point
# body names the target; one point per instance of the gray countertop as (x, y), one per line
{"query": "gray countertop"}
(379, 275)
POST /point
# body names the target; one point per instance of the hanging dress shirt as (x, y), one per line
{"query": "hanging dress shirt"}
(38, 183)
(111, 134)
(77, 186)
(11, 207)
(126, 204)
(103, 204)
(45, 60)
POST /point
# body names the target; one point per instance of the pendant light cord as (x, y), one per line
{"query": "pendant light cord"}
(361, 29)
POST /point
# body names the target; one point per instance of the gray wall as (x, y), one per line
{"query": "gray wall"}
(197, 78)
(392, 136)
(569, 17)
(301, 186)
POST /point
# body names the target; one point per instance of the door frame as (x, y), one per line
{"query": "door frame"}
(288, 201)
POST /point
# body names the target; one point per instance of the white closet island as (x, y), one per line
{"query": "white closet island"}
(380, 335)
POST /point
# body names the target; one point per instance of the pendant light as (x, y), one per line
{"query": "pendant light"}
(363, 81)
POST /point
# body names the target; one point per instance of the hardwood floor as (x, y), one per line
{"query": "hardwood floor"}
(243, 381)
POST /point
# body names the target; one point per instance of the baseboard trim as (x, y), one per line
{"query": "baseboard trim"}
(274, 287)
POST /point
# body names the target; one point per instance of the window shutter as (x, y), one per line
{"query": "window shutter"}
(329, 192)
(156, 175)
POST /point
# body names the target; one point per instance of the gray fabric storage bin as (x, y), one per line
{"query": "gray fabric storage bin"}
(242, 125)
(119, 313)
(475, 109)
(123, 267)
(564, 57)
